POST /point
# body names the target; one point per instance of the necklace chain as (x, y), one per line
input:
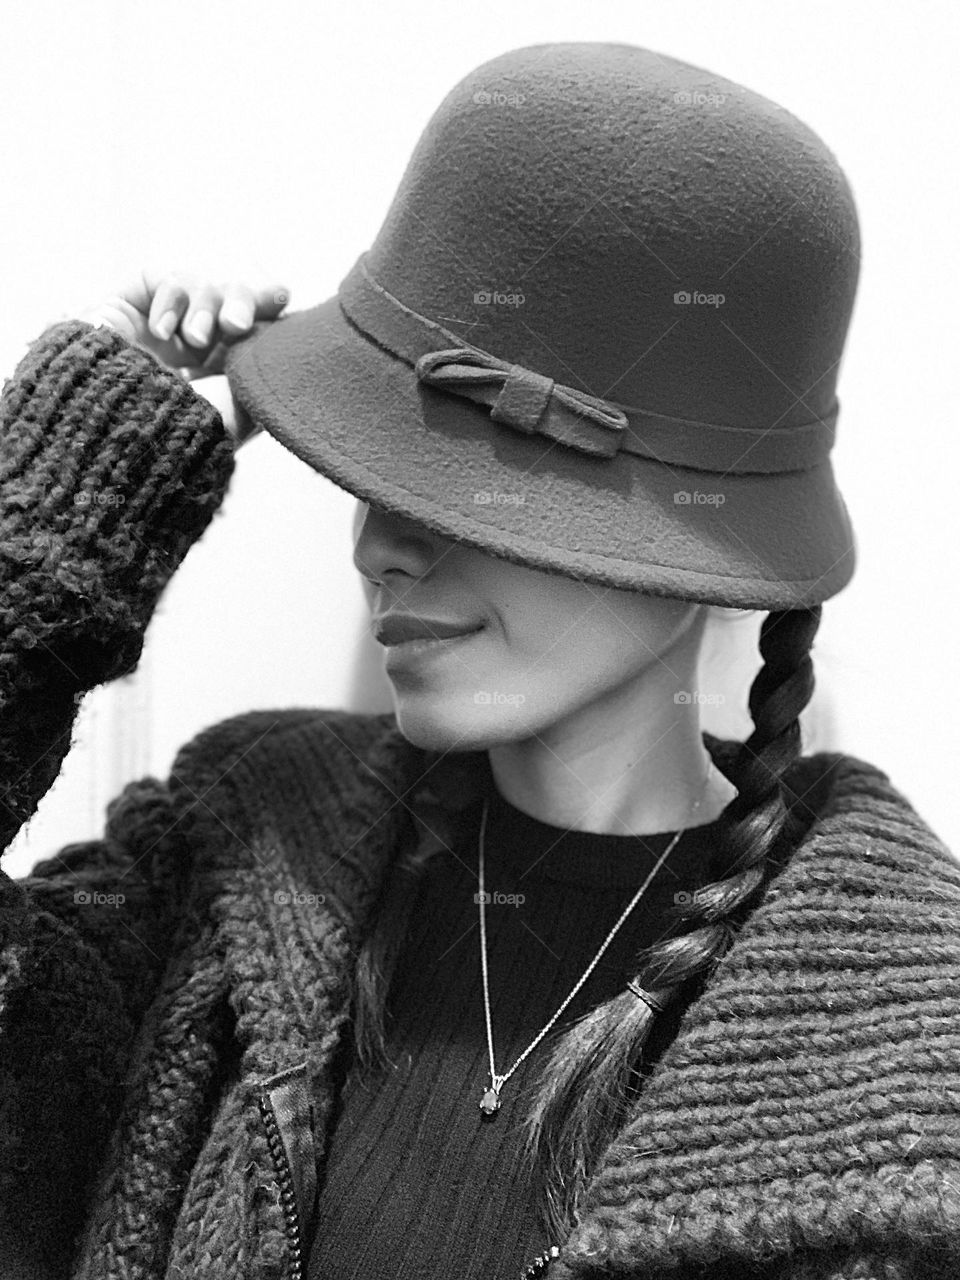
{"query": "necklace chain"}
(490, 1102)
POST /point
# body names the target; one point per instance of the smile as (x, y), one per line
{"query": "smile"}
(420, 647)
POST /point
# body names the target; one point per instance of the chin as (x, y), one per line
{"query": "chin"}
(442, 726)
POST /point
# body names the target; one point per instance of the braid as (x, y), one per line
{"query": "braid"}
(584, 1091)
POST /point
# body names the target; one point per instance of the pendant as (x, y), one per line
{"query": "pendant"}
(490, 1104)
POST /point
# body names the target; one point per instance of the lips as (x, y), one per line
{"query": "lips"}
(397, 628)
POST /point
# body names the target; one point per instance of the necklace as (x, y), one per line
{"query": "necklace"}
(490, 1101)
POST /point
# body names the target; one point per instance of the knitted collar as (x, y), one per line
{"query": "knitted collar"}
(810, 1098)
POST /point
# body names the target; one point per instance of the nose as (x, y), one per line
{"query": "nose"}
(386, 544)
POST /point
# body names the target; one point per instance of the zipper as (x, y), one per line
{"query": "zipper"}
(287, 1114)
(291, 1219)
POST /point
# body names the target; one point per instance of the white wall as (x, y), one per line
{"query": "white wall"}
(265, 143)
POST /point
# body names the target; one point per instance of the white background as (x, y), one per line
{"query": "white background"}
(265, 141)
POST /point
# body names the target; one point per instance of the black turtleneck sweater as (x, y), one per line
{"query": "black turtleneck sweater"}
(418, 1185)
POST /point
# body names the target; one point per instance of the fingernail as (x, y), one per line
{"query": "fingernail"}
(241, 317)
(201, 325)
(166, 325)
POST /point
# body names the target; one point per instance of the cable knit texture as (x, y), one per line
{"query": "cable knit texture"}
(804, 1124)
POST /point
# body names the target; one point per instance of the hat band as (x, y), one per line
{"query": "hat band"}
(531, 402)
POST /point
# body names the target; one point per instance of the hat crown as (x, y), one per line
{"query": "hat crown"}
(632, 226)
(597, 334)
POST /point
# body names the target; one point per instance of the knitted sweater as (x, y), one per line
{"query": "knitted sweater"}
(804, 1122)
(415, 1182)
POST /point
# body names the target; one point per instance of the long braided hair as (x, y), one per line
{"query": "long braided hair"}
(584, 1091)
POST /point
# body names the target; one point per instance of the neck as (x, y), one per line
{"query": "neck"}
(616, 766)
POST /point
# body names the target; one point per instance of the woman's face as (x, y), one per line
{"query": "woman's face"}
(548, 646)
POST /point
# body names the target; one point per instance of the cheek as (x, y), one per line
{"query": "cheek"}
(551, 656)
(593, 644)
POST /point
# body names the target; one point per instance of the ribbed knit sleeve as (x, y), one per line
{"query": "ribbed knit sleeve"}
(111, 467)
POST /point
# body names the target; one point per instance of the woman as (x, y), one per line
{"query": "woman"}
(289, 1017)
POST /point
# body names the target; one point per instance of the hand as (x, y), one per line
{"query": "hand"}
(187, 323)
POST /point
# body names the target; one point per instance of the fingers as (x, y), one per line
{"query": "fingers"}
(242, 306)
(206, 313)
(164, 303)
(188, 323)
(189, 306)
(199, 325)
(238, 308)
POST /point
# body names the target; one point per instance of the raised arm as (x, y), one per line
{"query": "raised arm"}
(111, 467)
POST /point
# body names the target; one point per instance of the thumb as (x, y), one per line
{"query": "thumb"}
(113, 312)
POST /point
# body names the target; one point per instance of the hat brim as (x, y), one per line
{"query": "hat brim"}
(360, 416)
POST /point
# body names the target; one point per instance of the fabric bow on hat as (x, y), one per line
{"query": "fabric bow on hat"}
(525, 400)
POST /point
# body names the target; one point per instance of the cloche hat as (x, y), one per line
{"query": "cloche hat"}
(597, 334)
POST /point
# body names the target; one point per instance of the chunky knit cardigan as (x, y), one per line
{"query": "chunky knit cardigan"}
(804, 1123)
